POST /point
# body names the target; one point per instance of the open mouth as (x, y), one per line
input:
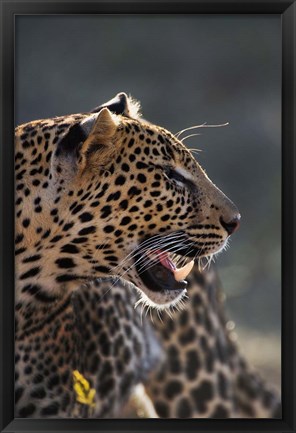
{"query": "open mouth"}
(164, 271)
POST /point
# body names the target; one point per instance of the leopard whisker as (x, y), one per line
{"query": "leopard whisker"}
(153, 261)
(182, 259)
(160, 245)
(150, 242)
(146, 262)
(203, 125)
(188, 136)
(159, 315)
(177, 135)
(193, 150)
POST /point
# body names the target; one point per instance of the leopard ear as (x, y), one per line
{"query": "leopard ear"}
(99, 128)
(92, 136)
(123, 105)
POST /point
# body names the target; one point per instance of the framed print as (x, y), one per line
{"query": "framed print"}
(147, 224)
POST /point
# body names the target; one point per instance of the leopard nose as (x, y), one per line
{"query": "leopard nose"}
(232, 225)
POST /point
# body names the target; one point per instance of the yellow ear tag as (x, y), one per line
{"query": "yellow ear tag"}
(84, 393)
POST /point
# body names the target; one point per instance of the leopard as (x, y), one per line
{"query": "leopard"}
(107, 207)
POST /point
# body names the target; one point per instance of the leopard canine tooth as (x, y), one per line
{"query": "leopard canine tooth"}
(181, 273)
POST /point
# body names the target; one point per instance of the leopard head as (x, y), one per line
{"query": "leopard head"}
(126, 197)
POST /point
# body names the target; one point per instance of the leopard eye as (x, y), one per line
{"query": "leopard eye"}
(174, 175)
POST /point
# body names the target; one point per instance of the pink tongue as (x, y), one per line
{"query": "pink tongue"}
(164, 259)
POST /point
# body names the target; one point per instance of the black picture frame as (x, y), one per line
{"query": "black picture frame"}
(9, 9)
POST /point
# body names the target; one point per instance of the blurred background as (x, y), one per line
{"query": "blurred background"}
(185, 70)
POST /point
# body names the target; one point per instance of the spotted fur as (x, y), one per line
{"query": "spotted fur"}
(94, 330)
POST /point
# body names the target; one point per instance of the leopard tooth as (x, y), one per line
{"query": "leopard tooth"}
(181, 273)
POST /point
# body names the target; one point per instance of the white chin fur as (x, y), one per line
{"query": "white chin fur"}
(223, 247)
(160, 301)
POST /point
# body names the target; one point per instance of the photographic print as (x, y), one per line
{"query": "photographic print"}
(148, 216)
